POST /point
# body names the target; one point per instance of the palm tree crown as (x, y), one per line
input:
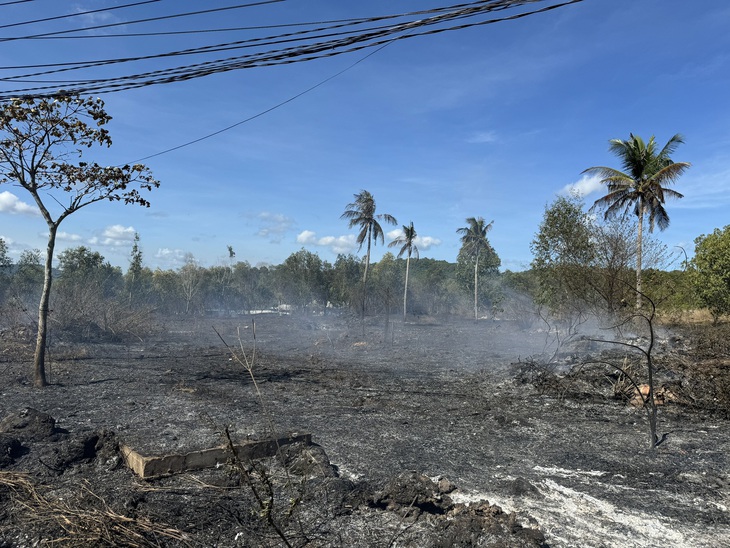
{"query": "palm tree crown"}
(641, 184)
(361, 213)
(407, 241)
(474, 236)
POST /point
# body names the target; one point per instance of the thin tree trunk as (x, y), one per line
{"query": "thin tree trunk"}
(365, 286)
(405, 291)
(367, 262)
(476, 286)
(39, 360)
(639, 240)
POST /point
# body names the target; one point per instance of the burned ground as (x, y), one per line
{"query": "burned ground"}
(415, 427)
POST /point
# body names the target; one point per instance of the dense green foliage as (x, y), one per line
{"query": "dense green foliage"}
(711, 276)
(563, 249)
(582, 265)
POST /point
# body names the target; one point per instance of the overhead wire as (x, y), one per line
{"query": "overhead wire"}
(77, 14)
(63, 34)
(134, 22)
(239, 44)
(343, 42)
(15, 2)
(355, 38)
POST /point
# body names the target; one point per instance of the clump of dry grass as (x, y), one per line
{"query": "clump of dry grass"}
(70, 523)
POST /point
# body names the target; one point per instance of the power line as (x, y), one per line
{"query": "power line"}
(135, 22)
(58, 36)
(239, 44)
(341, 43)
(77, 14)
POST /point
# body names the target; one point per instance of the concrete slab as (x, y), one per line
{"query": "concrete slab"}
(165, 465)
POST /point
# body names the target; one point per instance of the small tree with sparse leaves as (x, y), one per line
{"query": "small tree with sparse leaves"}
(41, 144)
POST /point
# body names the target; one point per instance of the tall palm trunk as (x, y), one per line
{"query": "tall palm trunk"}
(367, 261)
(639, 241)
(405, 291)
(365, 283)
(476, 288)
(39, 360)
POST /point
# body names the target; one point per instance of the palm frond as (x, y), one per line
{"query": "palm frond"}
(362, 236)
(670, 173)
(671, 146)
(377, 231)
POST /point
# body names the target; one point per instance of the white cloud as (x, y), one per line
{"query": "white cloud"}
(422, 242)
(426, 242)
(68, 237)
(114, 236)
(336, 244)
(585, 186)
(273, 225)
(482, 137)
(10, 203)
(119, 232)
(172, 257)
(307, 237)
(98, 19)
(395, 233)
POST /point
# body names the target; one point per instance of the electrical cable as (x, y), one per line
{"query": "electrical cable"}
(15, 2)
(368, 38)
(214, 48)
(138, 21)
(240, 44)
(77, 14)
(54, 36)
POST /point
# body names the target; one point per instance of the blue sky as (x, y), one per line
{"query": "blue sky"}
(492, 121)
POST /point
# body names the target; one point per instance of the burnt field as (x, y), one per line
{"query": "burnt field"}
(431, 433)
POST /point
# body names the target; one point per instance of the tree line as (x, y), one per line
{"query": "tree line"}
(579, 267)
(87, 285)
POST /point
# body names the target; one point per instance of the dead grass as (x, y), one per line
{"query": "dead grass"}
(80, 521)
(694, 317)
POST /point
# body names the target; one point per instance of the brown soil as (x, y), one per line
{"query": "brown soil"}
(440, 433)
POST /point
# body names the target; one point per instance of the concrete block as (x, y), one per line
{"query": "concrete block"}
(152, 466)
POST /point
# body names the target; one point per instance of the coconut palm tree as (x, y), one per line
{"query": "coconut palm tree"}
(474, 242)
(641, 185)
(361, 213)
(407, 241)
